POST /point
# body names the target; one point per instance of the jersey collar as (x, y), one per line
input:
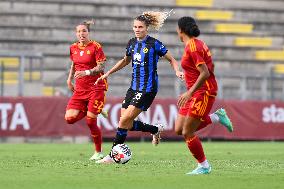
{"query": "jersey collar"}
(142, 41)
(84, 46)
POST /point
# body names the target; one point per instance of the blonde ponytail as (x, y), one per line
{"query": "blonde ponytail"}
(154, 19)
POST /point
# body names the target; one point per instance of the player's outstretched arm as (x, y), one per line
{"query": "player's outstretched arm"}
(98, 69)
(174, 65)
(119, 65)
(70, 78)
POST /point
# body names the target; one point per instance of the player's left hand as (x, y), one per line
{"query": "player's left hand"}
(183, 99)
(79, 74)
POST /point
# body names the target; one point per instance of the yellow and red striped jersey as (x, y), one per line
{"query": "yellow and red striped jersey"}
(196, 52)
(85, 58)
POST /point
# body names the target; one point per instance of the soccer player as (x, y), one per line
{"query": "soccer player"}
(196, 103)
(88, 63)
(144, 52)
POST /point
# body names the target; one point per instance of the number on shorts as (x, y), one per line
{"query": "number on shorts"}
(138, 96)
(98, 105)
(196, 105)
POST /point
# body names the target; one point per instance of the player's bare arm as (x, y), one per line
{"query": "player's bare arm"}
(98, 69)
(70, 77)
(119, 65)
(204, 74)
(174, 65)
(94, 71)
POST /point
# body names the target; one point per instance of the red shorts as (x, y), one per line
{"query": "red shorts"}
(198, 106)
(92, 101)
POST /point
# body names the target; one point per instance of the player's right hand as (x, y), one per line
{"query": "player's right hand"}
(101, 78)
(184, 98)
(70, 85)
(180, 75)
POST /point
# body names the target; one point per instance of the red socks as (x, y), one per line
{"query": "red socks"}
(195, 147)
(95, 133)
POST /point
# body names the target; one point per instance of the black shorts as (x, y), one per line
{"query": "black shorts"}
(141, 100)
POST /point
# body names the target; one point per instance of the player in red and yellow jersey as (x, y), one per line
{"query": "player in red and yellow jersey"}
(88, 63)
(196, 103)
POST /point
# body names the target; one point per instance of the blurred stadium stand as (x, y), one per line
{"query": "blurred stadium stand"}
(245, 37)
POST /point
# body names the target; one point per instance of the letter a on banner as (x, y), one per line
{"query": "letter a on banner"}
(19, 118)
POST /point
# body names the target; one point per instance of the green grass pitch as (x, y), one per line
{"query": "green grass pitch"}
(66, 166)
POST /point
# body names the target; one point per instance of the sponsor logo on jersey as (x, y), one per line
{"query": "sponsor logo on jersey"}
(137, 59)
(145, 50)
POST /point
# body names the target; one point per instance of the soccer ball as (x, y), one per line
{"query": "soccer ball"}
(121, 153)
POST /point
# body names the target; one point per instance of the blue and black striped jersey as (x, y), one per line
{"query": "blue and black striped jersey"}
(145, 55)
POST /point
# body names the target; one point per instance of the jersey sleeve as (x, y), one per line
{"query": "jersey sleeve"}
(71, 55)
(160, 48)
(197, 58)
(99, 54)
(128, 48)
(196, 53)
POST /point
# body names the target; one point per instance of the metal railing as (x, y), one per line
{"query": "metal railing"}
(246, 86)
(27, 62)
(241, 85)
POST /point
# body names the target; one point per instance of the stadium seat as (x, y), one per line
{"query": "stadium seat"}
(276, 55)
(253, 41)
(234, 28)
(9, 82)
(279, 68)
(10, 62)
(48, 91)
(213, 15)
(28, 76)
(195, 3)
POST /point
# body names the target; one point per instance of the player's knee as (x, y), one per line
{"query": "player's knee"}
(70, 120)
(178, 131)
(187, 134)
(126, 119)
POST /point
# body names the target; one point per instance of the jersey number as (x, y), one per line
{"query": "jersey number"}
(138, 96)
(196, 105)
(98, 105)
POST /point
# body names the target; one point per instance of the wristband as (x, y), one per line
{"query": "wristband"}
(88, 72)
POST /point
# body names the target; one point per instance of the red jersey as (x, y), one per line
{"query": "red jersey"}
(196, 52)
(86, 58)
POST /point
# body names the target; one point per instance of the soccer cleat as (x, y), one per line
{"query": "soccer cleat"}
(224, 119)
(97, 156)
(157, 137)
(106, 160)
(104, 113)
(200, 171)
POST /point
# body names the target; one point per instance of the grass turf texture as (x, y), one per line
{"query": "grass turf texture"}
(235, 165)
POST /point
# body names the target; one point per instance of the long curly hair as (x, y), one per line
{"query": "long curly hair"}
(154, 19)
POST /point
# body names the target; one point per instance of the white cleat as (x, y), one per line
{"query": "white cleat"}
(157, 137)
(97, 156)
(106, 160)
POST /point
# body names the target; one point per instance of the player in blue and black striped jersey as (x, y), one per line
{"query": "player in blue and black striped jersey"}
(143, 52)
